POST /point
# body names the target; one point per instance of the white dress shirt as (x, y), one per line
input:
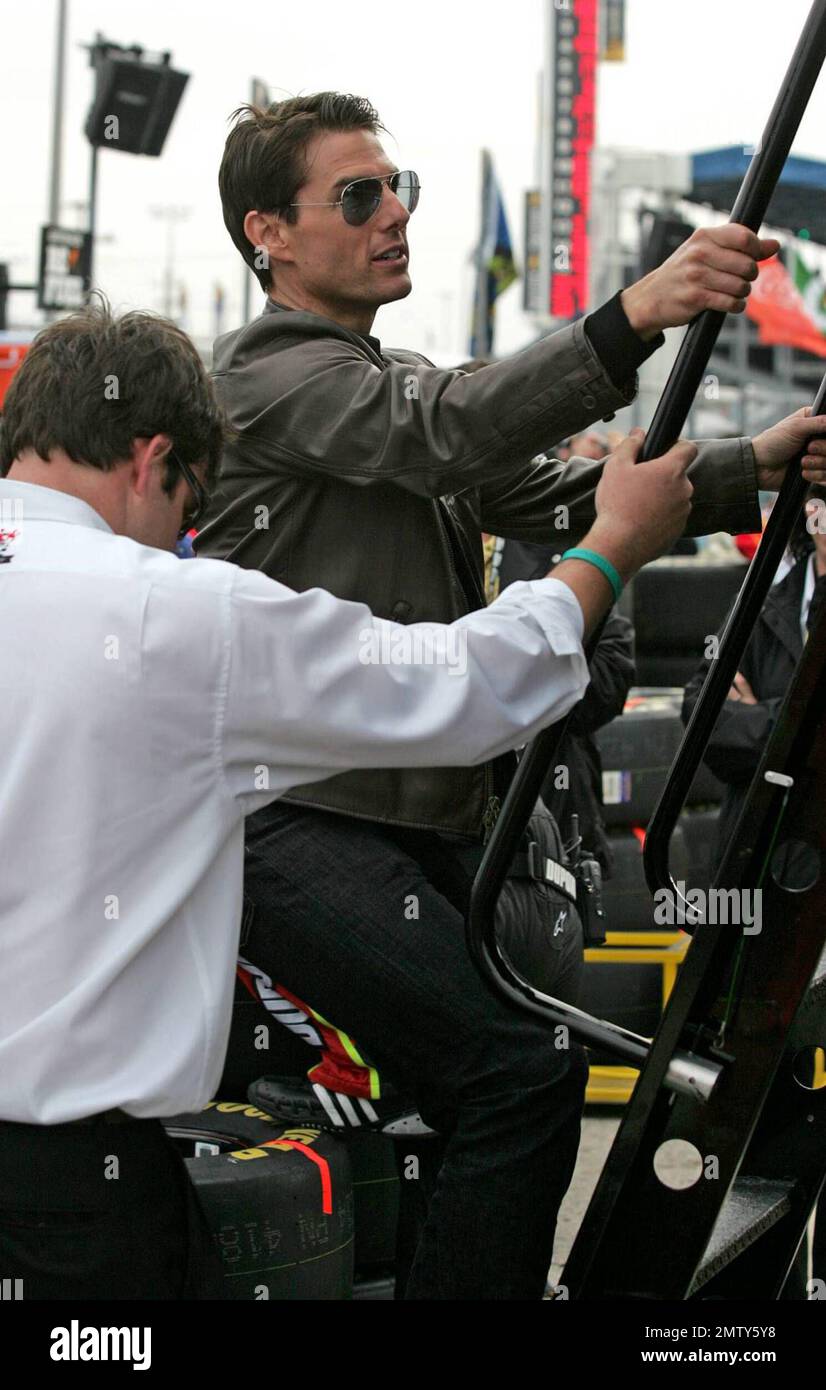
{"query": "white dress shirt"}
(149, 704)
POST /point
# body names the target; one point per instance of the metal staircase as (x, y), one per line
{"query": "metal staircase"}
(753, 1004)
(721, 1073)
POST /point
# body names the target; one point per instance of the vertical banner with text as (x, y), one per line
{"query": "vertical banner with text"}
(571, 107)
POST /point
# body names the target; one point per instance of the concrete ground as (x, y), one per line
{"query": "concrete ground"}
(679, 1165)
(597, 1136)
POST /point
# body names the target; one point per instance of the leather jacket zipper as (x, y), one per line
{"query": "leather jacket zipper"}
(491, 816)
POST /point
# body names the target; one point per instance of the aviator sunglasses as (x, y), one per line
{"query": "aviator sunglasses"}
(362, 198)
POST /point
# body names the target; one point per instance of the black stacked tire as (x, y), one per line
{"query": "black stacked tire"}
(259, 1044)
(629, 995)
(629, 905)
(672, 670)
(677, 604)
(637, 750)
(282, 1217)
(699, 827)
(376, 1198)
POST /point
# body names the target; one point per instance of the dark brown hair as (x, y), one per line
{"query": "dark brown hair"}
(91, 383)
(264, 162)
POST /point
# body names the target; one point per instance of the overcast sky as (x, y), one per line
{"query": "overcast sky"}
(447, 76)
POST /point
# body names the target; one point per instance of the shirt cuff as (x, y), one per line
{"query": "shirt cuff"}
(619, 348)
(556, 589)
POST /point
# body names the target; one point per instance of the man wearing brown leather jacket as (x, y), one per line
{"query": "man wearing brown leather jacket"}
(372, 474)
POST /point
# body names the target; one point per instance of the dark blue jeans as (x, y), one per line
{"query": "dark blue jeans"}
(365, 923)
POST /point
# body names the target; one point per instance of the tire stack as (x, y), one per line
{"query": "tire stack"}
(376, 1214)
(637, 751)
(676, 604)
(260, 1044)
(279, 1201)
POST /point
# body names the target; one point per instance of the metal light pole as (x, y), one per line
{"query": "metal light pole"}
(171, 214)
(56, 169)
(57, 112)
(93, 210)
(96, 53)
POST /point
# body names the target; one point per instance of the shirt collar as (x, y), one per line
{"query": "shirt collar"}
(48, 504)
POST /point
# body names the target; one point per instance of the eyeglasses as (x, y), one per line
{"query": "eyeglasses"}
(194, 514)
(362, 198)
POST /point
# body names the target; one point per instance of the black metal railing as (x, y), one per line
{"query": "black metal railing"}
(751, 206)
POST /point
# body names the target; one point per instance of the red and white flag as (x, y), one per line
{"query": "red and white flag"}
(780, 312)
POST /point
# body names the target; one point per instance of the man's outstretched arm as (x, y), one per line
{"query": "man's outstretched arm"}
(434, 431)
(314, 686)
(554, 501)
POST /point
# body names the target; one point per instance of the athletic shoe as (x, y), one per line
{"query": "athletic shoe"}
(303, 1103)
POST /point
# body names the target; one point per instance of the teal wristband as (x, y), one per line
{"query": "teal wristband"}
(579, 553)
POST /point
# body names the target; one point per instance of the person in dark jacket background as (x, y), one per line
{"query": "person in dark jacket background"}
(774, 648)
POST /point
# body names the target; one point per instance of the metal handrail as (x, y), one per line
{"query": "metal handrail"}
(751, 206)
(717, 684)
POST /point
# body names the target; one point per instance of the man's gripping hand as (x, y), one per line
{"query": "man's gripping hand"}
(775, 448)
(713, 269)
(640, 512)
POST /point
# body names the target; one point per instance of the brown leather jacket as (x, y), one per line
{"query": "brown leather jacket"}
(371, 473)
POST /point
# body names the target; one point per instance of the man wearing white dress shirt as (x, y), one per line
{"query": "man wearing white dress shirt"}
(148, 706)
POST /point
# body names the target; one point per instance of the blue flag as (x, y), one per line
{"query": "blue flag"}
(495, 264)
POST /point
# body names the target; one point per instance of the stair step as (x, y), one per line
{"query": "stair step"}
(752, 1207)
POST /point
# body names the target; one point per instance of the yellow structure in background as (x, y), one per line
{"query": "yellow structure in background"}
(609, 1085)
